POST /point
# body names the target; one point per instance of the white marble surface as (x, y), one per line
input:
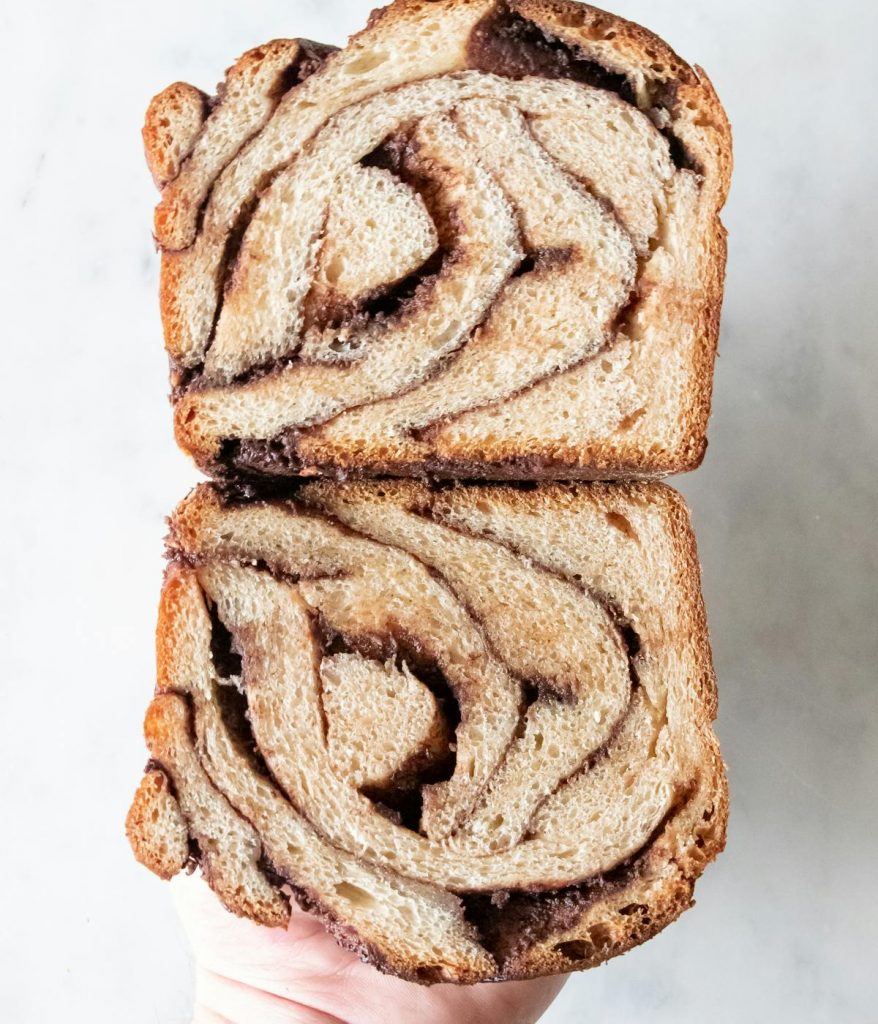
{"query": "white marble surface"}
(786, 927)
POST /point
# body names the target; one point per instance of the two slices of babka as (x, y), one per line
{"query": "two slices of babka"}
(468, 724)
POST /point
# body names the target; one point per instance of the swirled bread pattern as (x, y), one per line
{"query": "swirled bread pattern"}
(469, 726)
(482, 240)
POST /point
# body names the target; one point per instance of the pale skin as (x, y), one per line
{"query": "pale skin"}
(246, 974)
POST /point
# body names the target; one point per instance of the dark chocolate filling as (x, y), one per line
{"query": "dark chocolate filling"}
(226, 660)
(235, 713)
(384, 303)
(509, 923)
(276, 456)
(232, 702)
(539, 260)
(312, 56)
(264, 465)
(506, 44)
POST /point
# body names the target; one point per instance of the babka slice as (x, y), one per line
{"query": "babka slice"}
(480, 241)
(555, 788)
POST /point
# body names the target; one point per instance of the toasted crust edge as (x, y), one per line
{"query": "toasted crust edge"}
(172, 123)
(152, 800)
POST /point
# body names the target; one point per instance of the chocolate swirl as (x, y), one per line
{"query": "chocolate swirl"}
(457, 723)
(482, 239)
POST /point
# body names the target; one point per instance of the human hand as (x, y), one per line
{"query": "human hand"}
(246, 974)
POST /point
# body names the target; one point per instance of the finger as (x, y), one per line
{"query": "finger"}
(305, 965)
(220, 1000)
(237, 948)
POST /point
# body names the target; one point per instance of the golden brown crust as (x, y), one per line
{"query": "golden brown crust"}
(156, 828)
(172, 123)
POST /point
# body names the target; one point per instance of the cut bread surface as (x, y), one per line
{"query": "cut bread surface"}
(469, 726)
(482, 240)
(382, 723)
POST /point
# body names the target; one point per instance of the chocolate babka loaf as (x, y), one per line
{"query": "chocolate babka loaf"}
(467, 725)
(480, 241)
